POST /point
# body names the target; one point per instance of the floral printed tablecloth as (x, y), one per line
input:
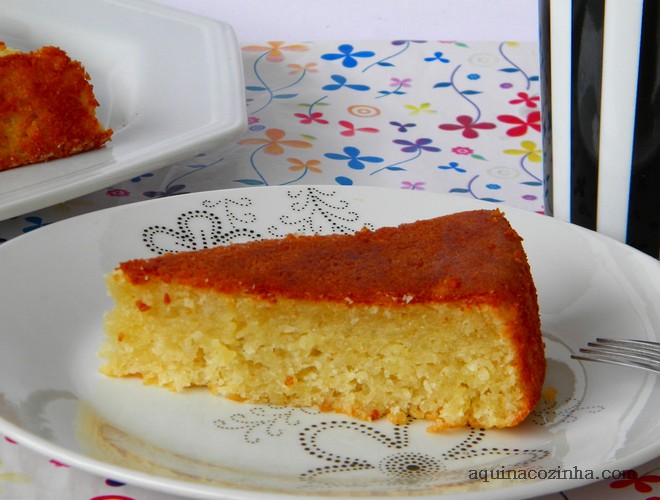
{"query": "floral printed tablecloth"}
(455, 117)
(451, 117)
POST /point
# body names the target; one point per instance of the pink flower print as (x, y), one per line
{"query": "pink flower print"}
(413, 186)
(468, 126)
(253, 120)
(462, 150)
(533, 121)
(274, 50)
(117, 192)
(315, 117)
(526, 99)
(398, 83)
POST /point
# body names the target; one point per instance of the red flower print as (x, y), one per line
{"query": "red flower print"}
(521, 126)
(117, 192)
(351, 129)
(468, 126)
(526, 99)
(639, 483)
(112, 497)
(315, 117)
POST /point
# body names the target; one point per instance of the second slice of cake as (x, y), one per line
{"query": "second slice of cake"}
(47, 108)
(436, 319)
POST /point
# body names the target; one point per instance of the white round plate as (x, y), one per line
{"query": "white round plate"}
(601, 419)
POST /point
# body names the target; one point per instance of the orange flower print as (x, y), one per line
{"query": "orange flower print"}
(273, 142)
(274, 50)
(310, 165)
(300, 68)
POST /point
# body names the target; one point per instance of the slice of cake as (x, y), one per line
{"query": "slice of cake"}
(436, 319)
(47, 108)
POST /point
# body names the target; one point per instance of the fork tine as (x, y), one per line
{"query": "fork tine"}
(612, 354)
(623, 350)
(655, 368)
(642, 354)
(645, 345)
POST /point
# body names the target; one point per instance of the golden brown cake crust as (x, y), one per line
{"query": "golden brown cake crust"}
(47, 109)
(438, 256)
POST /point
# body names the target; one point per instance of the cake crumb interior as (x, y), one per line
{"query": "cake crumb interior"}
(363, 360)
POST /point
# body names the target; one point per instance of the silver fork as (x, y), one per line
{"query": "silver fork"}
(643, 354)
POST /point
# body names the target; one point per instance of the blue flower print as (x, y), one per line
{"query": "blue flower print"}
(471, 191)
(140, 177)
(418, 146)
(355, 161)
(453, 166)
(403, 127)
(349, 57)
(404, 42)
(36, 223)
(340, 82)
(437, 56)
(473, 76)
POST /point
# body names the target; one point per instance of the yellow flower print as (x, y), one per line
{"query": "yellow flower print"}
(422, 108)
(310, 165)
(273, 142)
(529, 149)
(10, 477)
(300, 68)
(275, 49)
(69, 206)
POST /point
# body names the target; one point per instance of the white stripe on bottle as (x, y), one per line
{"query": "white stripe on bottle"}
(560, 94)
(622, 34)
